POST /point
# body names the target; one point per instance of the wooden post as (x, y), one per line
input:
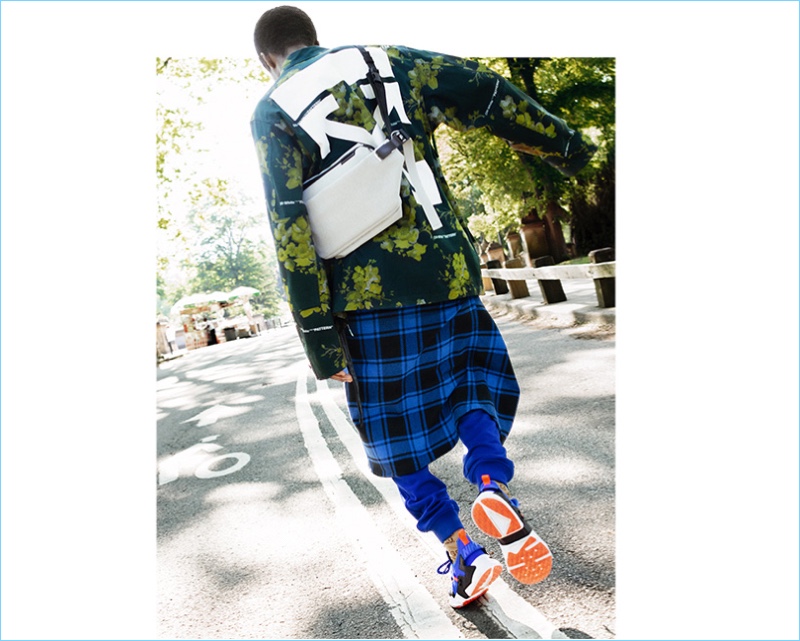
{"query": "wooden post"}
(534, 240)
(496, 252)
(500, 286)
(488, 285)
(519, 288)
(552, 290)
(604, 287)
(514, 241)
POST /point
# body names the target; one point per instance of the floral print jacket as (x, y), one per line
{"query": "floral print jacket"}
(408, 263)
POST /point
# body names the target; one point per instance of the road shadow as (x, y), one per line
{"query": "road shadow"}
(572, 633)
(351, 620)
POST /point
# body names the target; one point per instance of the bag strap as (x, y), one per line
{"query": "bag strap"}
(419, 192)
(397, 138)
(376, 82)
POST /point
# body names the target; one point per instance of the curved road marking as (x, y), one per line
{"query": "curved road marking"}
(507, 607)
(411, 605)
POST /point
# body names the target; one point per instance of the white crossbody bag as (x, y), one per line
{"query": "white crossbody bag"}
(359, 196)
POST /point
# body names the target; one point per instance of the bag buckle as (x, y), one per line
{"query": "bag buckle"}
(395, 141)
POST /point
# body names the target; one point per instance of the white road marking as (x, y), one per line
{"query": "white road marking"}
(508, 608)
(206, 469)
(412, 607)
(197, 459)
(214, 413)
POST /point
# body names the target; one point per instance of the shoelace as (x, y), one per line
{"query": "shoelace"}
(464, 552)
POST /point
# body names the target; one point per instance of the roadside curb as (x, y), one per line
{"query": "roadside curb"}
(564, 314)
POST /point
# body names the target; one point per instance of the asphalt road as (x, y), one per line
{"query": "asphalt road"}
(269, 525)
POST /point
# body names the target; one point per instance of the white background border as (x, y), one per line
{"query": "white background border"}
(707, 329)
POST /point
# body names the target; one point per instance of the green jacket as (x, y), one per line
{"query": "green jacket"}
(409, 263)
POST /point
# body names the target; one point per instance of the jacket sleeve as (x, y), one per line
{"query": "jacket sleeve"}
(303, 273)
(467, 95)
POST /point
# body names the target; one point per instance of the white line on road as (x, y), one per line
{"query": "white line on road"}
(412, 607)
(508, 608)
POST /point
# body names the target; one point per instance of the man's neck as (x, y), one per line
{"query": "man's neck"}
(281, 60)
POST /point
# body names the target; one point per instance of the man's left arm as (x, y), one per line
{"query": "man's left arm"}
(466, 95)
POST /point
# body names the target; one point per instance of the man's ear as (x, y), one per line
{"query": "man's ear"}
(272, 64)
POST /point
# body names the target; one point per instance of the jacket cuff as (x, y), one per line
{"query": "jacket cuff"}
(323, 349)
(579, 153)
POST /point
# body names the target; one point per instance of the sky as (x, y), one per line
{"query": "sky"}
(228, 151)
(707, 338)
(225, 115)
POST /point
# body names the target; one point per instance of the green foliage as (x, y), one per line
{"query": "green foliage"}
(181, 84)
(200, 76)
(501, 186)
(209, 233)
(582, 91)
(231, 251)
(486, 174)
(173, 135)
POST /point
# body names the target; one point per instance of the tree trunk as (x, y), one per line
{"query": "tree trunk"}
(554, 213)
(523, 72)
(593, 220)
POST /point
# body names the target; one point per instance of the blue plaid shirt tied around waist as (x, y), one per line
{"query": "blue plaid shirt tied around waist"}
(418, 371)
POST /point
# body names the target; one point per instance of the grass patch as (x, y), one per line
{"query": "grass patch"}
(580, 260)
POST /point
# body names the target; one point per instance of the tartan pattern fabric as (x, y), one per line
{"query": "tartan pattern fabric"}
(418, 371)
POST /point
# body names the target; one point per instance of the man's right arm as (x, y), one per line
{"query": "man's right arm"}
(302, 271)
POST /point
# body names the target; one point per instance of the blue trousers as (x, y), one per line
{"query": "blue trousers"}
(426, 496)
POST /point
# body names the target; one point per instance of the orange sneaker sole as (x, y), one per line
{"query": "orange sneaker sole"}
(494, 516)
(528, 560)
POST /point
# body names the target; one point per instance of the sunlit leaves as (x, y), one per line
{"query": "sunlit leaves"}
(498, 186)
(209, 237)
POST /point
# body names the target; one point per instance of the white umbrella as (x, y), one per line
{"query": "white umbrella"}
(218, 297)
(198, 300)
(242, 292)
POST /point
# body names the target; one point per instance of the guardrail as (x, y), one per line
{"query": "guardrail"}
(602, 270)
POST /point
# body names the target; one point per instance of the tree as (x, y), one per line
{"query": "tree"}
(487, 179)
(514, 186)
(232, 251)
(582, 92)
(209, 231)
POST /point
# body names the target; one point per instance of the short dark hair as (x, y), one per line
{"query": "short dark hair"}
(281, 28)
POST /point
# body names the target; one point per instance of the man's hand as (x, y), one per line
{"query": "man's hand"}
(342, 377)
(527, 149)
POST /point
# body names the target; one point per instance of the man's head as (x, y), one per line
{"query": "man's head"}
(279, 32)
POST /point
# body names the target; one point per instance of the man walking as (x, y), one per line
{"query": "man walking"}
(399, 319)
